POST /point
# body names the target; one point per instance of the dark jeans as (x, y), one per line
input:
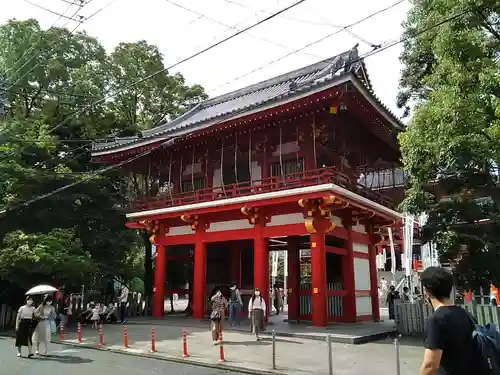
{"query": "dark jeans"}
(234, 312)
(123, 311)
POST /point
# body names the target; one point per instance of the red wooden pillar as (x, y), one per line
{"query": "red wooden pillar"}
(235, 264)
(293, 277)
(349, 302)
(261, 264)
(372, 252)
(159, 277)
(318, 278)
(199, 274)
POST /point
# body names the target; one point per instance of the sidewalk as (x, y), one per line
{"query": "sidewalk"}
(294, 356)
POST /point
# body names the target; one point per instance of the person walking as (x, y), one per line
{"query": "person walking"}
(43, 314)
(123, 300)
(24, 327)
(257, 312)
(235, 304)
(219, 306)
(277, 299)
(449, 347)
(392, 297)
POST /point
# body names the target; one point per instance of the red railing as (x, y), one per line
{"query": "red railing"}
(270, 184)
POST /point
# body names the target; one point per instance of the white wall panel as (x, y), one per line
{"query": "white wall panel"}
(360, 247)
(363, 306)
(361, 274)
(178, 231)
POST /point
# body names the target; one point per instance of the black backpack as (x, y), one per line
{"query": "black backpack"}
(486, 340)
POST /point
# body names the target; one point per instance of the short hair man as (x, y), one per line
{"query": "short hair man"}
(449, 348)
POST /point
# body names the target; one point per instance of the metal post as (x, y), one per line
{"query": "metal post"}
(330, 355)
(398, 364)
(274, 349)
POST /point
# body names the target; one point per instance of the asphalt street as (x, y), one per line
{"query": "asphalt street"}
(77, 361)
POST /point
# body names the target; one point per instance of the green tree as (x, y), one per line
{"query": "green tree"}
(52, 76)
(451, 147)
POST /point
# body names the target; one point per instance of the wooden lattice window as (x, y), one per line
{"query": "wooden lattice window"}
(289, 167)
(187, 185)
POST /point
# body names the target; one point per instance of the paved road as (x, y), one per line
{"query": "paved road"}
(76, 361)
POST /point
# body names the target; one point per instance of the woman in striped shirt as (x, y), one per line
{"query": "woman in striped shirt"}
(219, 306)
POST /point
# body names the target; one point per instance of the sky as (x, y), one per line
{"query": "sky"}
(182, 32)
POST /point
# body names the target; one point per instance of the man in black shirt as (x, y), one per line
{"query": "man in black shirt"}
(448, 341)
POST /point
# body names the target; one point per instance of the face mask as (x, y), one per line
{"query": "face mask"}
(257, 293)
(233, 288)
(49, 303)
(29, 302)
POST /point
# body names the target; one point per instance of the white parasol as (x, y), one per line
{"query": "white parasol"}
(41, 289)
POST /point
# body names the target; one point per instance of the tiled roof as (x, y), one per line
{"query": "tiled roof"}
(251, 97)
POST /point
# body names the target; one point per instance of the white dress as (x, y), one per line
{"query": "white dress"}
(42, 334)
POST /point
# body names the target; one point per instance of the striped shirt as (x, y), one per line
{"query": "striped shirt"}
(219, 304)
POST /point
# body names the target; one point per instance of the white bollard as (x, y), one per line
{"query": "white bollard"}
(274, 349)
(330, 355)
(398, 363)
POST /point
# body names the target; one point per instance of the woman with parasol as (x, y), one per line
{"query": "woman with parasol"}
(24, 327)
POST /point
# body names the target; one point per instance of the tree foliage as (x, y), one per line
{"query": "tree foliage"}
(78, 235)
(452, 145)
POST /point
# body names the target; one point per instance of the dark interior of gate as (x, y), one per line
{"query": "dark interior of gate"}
(233, 261)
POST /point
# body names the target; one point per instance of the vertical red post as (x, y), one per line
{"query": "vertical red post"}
(349, 301)
(79, 333)
(153, 341)
(200, 271)
(101, 336)
(125, 337)
(221, 349)
(293, 277)
(160, 273)
(184, 344)
(261, 264)
(372, 252)
(61, 333)
(318, 278)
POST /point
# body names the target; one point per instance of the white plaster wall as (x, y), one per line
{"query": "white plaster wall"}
(361, 274)
(256, 172)
(337, 221)
(286, 148)
(363, 306)
(286, 219)
(360, 247)
(360, 228)
(229, 225)
(192, 168)
(217, 179)
(178, 231)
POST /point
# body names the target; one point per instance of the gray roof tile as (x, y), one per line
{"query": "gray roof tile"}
(247, 98)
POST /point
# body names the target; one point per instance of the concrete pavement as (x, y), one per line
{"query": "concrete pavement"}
(81, 361)
(294, 356)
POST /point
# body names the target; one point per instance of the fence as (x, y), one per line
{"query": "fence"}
(7, 317)
(412, 317)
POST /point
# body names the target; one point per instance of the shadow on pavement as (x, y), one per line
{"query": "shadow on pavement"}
(67, 359)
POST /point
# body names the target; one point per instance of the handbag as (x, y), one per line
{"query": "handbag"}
(215, 316)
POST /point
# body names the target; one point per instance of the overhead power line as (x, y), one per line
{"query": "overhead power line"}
(190, 57)
(61, 15)
(106, 169)
(33, 45)
(234, 27)
(299, 20)
(309, 45)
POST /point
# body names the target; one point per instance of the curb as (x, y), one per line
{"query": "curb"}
(339, 339)
(168, 358)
